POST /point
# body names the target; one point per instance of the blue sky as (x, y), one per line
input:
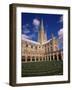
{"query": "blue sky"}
(30, 24)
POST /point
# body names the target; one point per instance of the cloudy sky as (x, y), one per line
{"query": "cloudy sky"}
(53, 23)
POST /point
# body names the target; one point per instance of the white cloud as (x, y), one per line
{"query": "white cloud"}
(27, 25)
(36, 22)
(35, 28)
(24, 26)
(60, 39)
(25, 29)
(61, 19)
(25, 36)
(32, 36)
(60, 33)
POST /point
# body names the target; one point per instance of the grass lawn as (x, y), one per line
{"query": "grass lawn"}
(43, 68)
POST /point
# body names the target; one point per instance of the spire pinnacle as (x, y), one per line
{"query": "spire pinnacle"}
(42, 27)
(42, 35)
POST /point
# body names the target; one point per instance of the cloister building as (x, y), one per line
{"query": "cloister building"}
(43, 50)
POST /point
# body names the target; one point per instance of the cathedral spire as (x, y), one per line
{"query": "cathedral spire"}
(42, 25)
(42, 35)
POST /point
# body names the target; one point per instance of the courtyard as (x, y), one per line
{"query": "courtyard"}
(42, 68)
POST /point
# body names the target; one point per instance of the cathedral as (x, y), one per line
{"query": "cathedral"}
(42, 50)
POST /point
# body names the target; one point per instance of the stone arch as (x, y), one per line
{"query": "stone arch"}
(51, 57)
(28, 58)
(40, 58)
(37, 59)
(55, 57)
(59, 55)
(43, 58)
(23, 58)
(33, 58)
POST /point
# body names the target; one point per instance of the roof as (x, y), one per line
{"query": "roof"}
(26, 38)
(23, 37)
(47, 41)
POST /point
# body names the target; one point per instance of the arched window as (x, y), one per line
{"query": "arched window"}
(39, 46)
(35, 47)
(28, 58)
(51, 48)
(36, 58)
(51, 57)
(23, 58)
(40, 58)
(59, 56)
(33, 58)
(55, 57)
(31, 46)
(26, 45)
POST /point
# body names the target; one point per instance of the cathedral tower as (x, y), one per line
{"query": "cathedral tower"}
(42, 37)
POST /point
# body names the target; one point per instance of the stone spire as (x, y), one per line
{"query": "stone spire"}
(41, 35)
(42, 26)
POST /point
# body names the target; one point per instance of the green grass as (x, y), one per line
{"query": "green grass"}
(43, 68)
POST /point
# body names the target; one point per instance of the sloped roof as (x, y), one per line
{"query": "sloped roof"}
(26, 38)
(23, 37)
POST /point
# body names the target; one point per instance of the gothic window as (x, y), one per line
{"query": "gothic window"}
(48, 49)
(36, 58)
(23, 58)
(51, 57)
(36, 47)
(33, 58)
(55, 57)
(40, 58)
(51, 49)
(26, 45)
(31, 46)
(39, 46)
(43, 58)
(28, 58)
(59, 56)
